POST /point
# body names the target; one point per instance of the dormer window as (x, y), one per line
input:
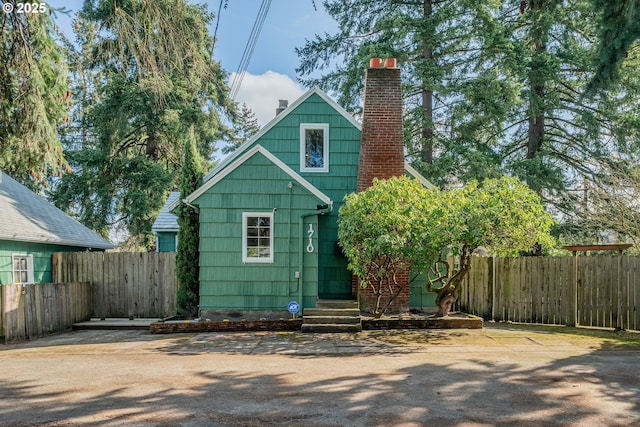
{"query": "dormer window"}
(314, 147)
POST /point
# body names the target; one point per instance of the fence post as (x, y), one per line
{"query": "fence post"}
(576, 320)
(619, 321)
(493, 288)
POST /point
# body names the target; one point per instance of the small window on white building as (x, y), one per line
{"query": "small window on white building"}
(22, 268)
(257, 237)
(314, 147)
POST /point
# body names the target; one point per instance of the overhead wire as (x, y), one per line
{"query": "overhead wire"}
(215, 32)
(249, 48)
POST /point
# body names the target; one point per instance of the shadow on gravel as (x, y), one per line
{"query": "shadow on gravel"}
(297, 344)
(598, 388)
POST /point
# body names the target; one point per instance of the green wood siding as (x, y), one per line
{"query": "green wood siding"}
(166, 241)
(41, 259)
(419, 296)
(283, 140)
(226, 283)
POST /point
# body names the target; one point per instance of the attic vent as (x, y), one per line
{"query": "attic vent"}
(282, 105)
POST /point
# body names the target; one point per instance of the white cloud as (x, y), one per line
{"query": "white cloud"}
(262, 93)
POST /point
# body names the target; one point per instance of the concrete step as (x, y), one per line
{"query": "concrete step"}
(332, 316)
(337, 320)
(336, 303)
(354, 312)
(328, 328)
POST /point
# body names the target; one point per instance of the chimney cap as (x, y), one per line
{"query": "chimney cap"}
(375, 62)
(388, 63)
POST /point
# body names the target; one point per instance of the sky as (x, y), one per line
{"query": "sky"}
(271, 74)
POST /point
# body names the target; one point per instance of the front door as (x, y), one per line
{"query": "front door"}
(334, 279)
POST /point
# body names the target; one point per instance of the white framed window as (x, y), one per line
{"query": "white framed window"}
(314, 147)
(22, 268)
(257, 237)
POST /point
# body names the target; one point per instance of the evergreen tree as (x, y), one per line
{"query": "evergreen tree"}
(619, 30)
(553, 138)
(439, 46)
(245, 126)
(188, 235)
(507, 83)
(142, 79)
(34, 96)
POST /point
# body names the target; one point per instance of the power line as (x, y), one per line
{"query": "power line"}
(249, 47)
(215, 32)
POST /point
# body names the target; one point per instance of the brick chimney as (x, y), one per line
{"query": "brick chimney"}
(382, 151)
(382, 140)
(282, 105)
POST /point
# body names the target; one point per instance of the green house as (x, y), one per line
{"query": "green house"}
(269, 214)
(165, 227)
(31, 230)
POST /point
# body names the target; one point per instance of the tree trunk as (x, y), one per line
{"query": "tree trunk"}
(537, 97)
(445, 304)
(536, 124)
(427, 95)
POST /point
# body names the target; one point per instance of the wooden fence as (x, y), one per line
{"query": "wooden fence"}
(598, 291)
(123, 284)
(31, 311)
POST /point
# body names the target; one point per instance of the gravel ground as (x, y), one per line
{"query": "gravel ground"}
(497, 376)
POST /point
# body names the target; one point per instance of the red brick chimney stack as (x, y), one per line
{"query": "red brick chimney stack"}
(382, 140)
(382, 152)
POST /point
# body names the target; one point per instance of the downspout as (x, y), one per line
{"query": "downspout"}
(319, 211)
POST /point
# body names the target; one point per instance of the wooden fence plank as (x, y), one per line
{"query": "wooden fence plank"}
(543, 290)
(124, 284)
(31, 311)
(633, 284)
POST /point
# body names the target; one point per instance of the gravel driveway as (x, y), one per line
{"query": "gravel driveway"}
(497, 376)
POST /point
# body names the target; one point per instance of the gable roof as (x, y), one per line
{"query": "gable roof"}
(239, 160)
(313, 91)
(27, 217)
(166, 221)
(317, 91)
(231, 158)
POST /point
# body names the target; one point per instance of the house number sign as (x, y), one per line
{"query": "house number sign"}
(310, 232)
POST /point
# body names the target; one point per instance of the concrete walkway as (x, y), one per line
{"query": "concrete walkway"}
(500, 375)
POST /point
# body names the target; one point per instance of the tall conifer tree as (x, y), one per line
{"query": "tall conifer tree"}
(188, 235)
(34, 95)
(151, 74)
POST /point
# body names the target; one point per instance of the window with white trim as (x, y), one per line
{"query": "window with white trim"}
(22, 268)
(257, 237)
(314, 147)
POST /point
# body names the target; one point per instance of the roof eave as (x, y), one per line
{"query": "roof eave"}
(61, 242)
(276, 161)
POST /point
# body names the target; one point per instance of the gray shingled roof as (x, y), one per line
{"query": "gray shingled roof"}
(167, 221)
(27, 217)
